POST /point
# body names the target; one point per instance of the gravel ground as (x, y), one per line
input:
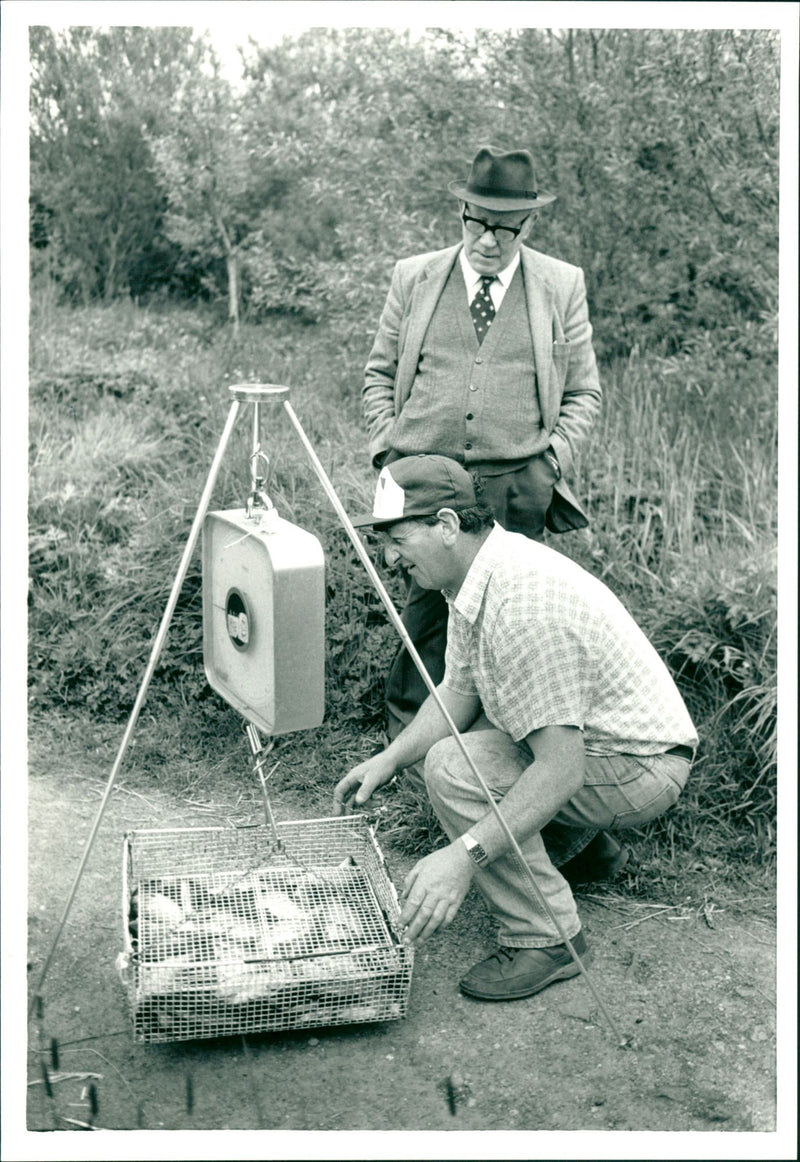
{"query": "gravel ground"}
(694, 991)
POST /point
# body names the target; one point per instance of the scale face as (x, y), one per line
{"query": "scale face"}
(264, 619)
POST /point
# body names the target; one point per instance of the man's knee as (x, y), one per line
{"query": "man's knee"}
(440, 763)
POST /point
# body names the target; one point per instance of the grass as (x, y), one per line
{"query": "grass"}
(126, 407)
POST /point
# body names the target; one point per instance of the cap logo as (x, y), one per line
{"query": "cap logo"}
(390, 499)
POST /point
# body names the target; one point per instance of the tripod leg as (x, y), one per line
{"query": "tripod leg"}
(155, 653)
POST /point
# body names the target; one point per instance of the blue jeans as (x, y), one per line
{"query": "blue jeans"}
(618, 791)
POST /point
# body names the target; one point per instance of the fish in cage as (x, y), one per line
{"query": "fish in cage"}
(254, 945)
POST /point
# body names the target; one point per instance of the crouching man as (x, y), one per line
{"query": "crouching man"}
(569, 714)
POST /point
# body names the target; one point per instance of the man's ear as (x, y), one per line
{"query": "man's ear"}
(449, 521)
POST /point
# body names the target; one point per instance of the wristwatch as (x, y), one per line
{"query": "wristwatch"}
(476, 852)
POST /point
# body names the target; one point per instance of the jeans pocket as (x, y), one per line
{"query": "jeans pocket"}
(663, 797)
(618, 769)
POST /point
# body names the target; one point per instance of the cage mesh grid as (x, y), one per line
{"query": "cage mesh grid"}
(227, 934)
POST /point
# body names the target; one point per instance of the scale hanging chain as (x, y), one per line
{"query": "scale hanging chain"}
(261, 751)
(258, 500)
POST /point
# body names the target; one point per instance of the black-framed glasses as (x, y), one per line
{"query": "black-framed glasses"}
(477, 226)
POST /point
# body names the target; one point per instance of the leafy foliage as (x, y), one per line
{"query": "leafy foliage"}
(225, 191)
(97, 211)
(298, 193)
(681, 234)
(359, 640)
(720, 639)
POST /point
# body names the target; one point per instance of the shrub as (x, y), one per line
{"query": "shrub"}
(719, 637)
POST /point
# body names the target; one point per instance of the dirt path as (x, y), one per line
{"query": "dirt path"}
(697, 1000)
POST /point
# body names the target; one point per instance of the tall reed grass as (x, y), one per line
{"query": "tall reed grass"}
(127, 405)
(683, 499)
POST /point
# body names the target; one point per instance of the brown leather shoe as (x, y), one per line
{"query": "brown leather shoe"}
(601, 859)
(512, 973)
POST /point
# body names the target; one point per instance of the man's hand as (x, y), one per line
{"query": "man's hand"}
(357, 786)
(435, 889)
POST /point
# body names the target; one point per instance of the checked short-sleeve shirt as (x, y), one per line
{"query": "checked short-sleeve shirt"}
(544, 643)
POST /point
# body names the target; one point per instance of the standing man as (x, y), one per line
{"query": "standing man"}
(484, 354)
(572, 716)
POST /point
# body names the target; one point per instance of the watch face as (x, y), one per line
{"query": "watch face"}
(478, 854)
(474, 849)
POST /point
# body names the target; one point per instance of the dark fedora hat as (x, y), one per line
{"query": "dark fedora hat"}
(502, 181)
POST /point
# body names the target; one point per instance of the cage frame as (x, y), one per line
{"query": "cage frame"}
(357, 986)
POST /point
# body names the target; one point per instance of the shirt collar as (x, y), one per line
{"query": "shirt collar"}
(469, 599)
(472, 278)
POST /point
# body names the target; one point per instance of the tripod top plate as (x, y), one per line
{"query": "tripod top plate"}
(259, 392)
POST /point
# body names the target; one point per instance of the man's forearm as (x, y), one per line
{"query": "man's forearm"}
(429, 726)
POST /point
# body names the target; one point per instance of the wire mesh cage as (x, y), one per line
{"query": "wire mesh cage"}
(228, 932)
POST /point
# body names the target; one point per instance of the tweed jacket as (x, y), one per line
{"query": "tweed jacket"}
(569, 386)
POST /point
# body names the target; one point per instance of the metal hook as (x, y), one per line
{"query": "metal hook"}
(258, 498)
(258, 455)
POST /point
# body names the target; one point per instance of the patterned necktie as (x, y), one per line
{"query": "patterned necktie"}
(482, 308)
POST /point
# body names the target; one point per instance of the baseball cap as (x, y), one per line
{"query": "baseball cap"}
(419, 486)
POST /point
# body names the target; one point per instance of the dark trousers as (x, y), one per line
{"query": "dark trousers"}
(520, 500)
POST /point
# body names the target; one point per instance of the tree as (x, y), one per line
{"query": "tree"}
(95, 95)
(378, 123)
(232, 187)
(662, 145)
(299, 193)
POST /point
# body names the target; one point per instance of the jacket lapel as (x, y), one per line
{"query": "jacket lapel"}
(540, 314)
(425, 295)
